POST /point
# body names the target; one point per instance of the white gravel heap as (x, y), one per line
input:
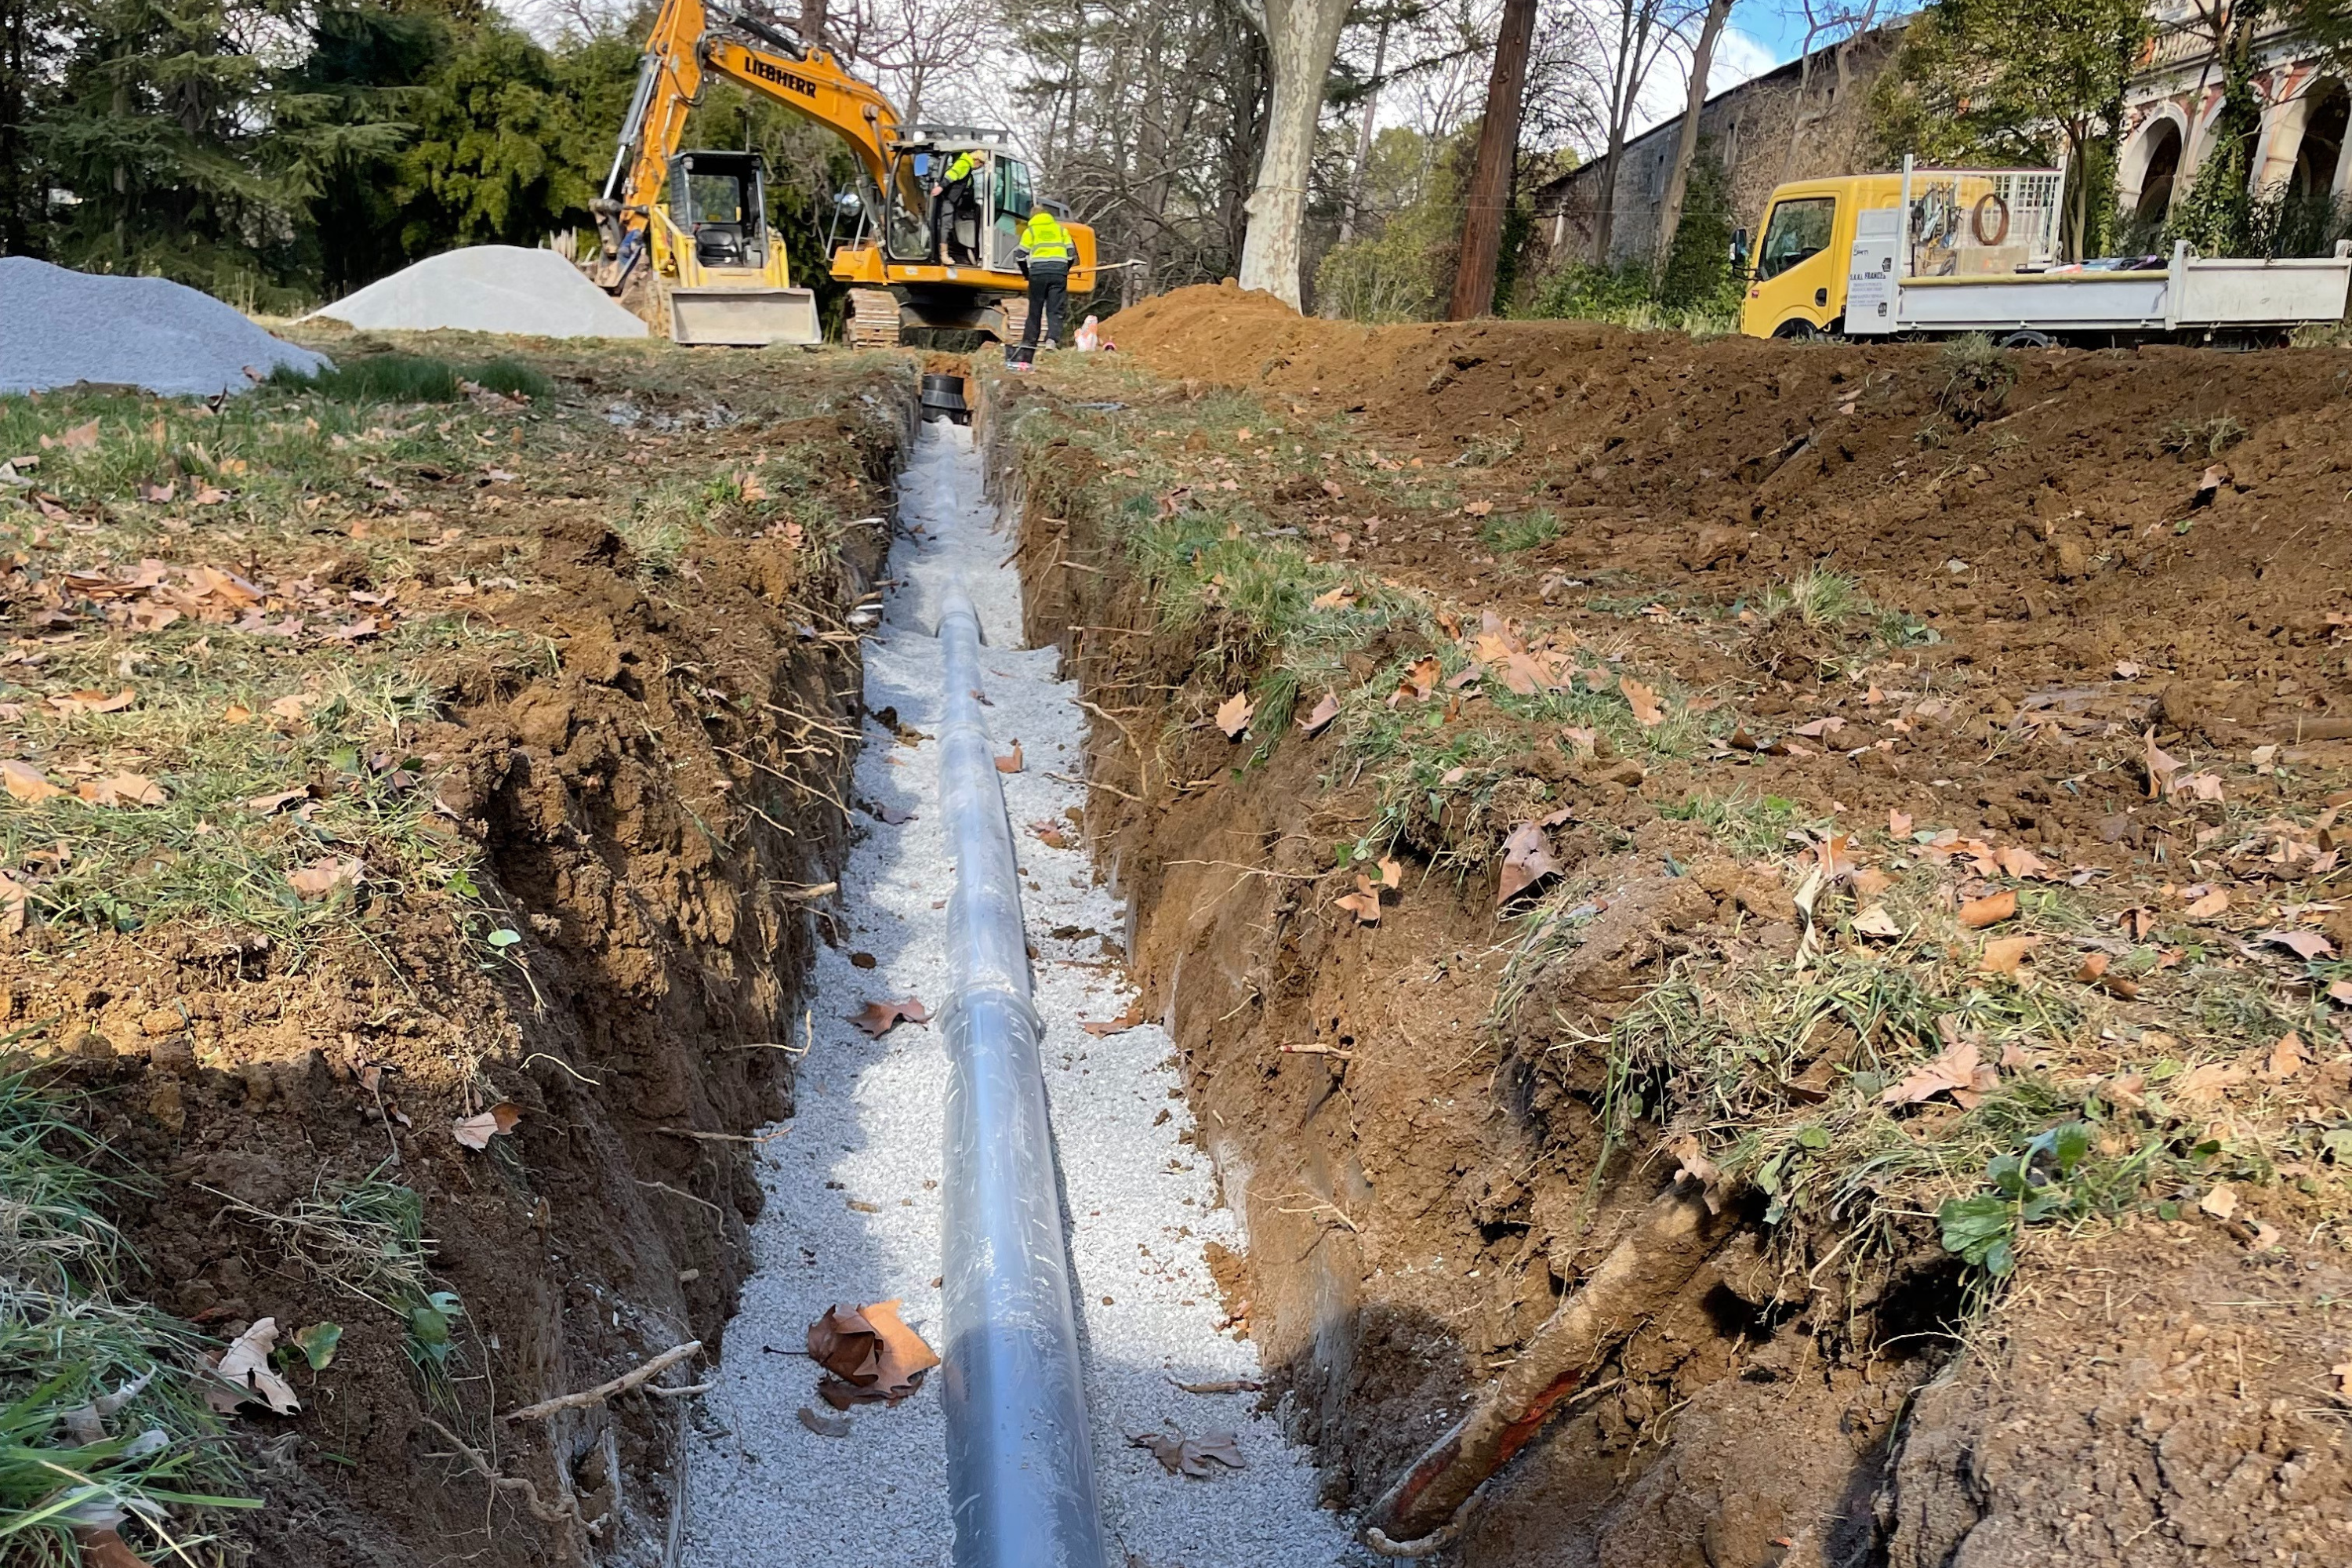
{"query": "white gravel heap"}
(489, 288)
(59, 327)
(853, 1201)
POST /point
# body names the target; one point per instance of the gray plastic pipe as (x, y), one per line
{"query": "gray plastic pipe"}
(1021, 1472)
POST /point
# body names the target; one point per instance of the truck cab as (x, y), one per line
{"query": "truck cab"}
(1796, 283)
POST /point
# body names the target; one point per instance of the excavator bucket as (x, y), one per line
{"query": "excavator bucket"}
(752, 317)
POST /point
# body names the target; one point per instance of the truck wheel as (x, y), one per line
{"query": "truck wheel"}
(2027, 338)
(1797, 332)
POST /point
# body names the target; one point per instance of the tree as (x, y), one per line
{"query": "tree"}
(2217, 216)
(2022, 82)
(1632, 36)
(1670, 207)
(1832, 26)
(1491, 174)
(1301, 35)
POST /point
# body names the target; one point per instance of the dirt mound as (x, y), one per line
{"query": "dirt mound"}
(1779, 659)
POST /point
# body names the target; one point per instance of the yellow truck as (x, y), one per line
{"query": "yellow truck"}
(1978, 254)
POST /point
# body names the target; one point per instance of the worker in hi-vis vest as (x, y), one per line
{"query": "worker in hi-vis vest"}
(951, 197)
(1045, 255)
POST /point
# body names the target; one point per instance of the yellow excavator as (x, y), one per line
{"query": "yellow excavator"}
(718, 273)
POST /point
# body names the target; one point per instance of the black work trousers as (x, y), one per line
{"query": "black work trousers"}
(947, 208)
(1049, 291)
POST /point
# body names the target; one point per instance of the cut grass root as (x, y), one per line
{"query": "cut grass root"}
(1645, 1271)
(103, 1422)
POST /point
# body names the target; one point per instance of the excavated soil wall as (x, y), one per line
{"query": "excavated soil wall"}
(650, 772)
(1425, 1174)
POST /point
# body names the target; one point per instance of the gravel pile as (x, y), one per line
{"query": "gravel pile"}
(489, 288)
(852, 1203)
(59, 327)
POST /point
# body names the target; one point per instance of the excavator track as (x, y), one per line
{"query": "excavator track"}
(873, 319)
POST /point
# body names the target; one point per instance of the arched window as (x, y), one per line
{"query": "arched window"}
(2325, 110)
(2163, 170)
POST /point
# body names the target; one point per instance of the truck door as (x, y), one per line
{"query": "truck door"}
(1799, 283)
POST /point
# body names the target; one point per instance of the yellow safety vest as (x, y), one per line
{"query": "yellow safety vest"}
(1046, 240)
(960, 169)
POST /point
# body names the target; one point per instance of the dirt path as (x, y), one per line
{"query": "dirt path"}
(852, 1208)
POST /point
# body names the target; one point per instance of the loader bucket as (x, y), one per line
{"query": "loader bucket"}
(744, 316)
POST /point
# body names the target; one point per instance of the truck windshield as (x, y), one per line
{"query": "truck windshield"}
(1799, 229)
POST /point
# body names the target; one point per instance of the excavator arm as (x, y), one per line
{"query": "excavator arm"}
(691, 41)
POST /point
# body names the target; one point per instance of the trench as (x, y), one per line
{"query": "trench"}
(852, 1179)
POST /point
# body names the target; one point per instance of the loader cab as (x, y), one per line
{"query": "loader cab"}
(719, 202)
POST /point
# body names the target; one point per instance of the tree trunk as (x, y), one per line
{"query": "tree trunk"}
(1490, 175)
(1301, 37)
(812, 24)
(1364, 135)
(1670, 211)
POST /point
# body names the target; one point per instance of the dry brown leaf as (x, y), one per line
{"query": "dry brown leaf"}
(2220, 1203)
(102, 1547)
(1820, 729)
(94, 701)
(1337, 598)
(321, 877)
(1364, 903)
(1234, 714)
(1419, 681)
(1955, 1070)
(292, 707)
(880, 1017)
(26, 782)
(1119, 1026)
(1325, 711)
(1527, 860)
(1869, 881)
(2303, 944)
(2206, 907)
(2002, 956)
(1391, 873)
(2340, 991)
(2287, 1057)
(868, 1355)
(1898, 824)
(1194, 1456)
(267, 804)
(2162, 769)
(2209, 1081)
(245, 1366)
(1990, 909)
(1875, 921)
(2020, 863)
(475, 1132)
(123, 789)
(1643, 700)
(80, 438)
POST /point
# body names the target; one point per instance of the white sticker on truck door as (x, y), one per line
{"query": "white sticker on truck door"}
(1870, 280)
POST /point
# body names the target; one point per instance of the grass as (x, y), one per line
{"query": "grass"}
(69, 1339)
(414, 378)
(1522, 530)
(2202, 438)
(367, 1239)
(1778, 1067)
(207, 853)
(1978, 377)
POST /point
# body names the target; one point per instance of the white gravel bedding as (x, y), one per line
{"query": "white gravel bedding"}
(765, 1491)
